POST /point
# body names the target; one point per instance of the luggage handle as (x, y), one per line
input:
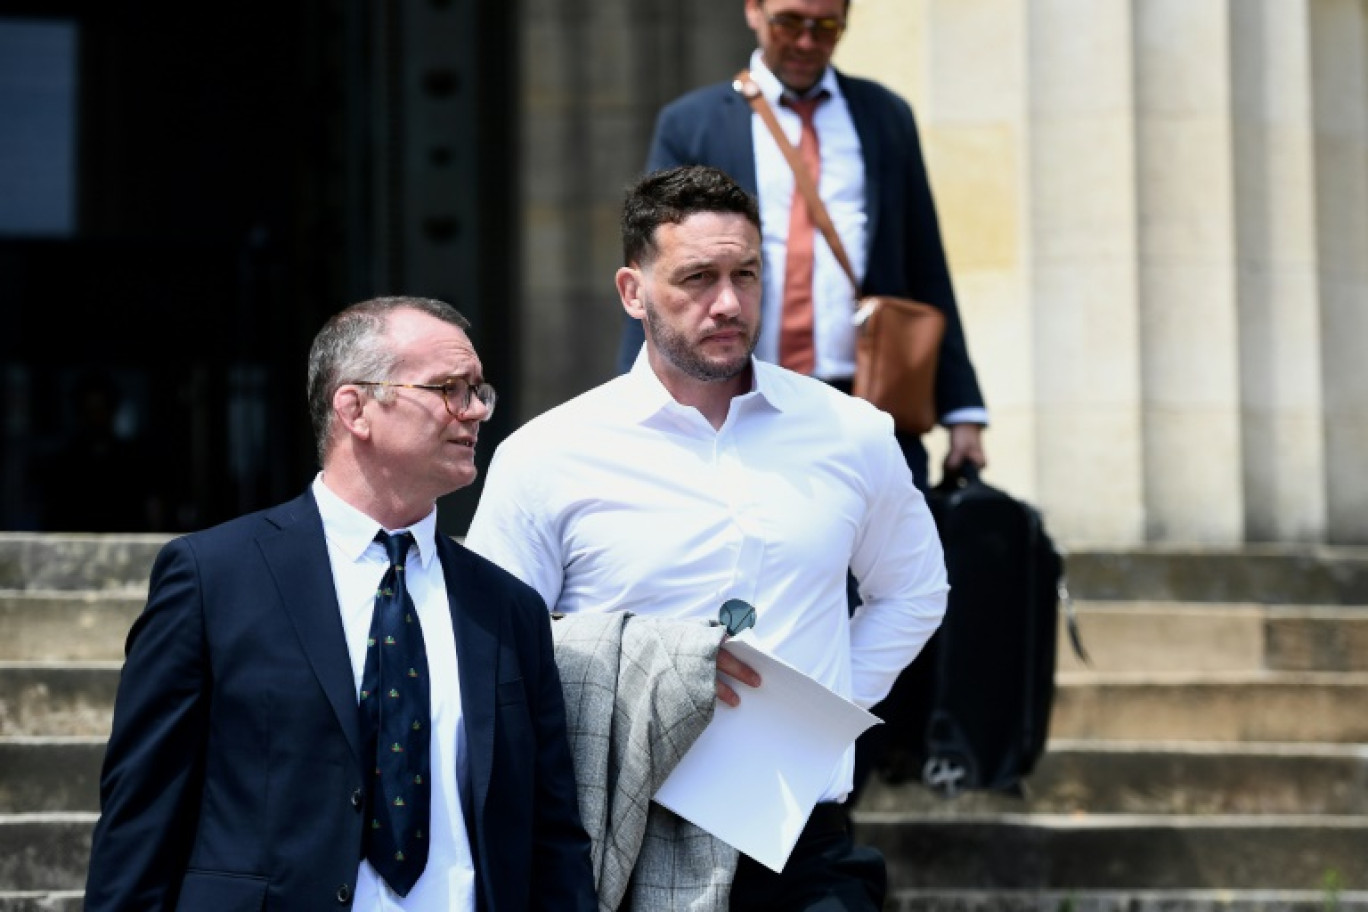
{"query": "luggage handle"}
(968, 474)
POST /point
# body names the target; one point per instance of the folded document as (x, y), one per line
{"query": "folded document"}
(753, 776)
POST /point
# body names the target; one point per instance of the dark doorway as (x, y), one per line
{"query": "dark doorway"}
(230, 178)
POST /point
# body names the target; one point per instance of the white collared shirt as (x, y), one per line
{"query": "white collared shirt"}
(358, 563)
(841, 185)
(624, 500)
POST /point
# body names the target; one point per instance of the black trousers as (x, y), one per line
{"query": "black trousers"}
(827, 872)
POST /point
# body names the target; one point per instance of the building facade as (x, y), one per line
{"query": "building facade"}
(1156, 213)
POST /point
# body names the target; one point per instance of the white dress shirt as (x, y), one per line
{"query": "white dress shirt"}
(358, 563)
(841, 185)
(624, 500)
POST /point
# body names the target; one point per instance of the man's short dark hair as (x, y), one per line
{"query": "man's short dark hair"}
(672, 195)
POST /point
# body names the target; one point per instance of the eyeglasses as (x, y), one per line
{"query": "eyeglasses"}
(456, 394)
(792, 26)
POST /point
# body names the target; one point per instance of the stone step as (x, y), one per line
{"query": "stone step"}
(41, 900)
(49, 852)
(1317, 639)
(62, 774)
(1328, 899)
(1265, 574)
(1119, 636)
(1209, 636)
(50, 625)
(45, 699)
(1119, 852)
(100, 562)
(1259, 706)
(50, 774)
(985, 901)
(44, 852)
(1078, 777)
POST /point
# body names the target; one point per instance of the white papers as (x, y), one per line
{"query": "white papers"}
(752, 778)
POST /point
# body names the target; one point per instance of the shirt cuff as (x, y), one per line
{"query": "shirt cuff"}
(972, 415)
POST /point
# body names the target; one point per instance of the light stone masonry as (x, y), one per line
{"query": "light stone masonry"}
(1156, 215)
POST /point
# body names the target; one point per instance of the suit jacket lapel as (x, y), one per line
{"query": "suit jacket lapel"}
(476, 628)
(866, 120)
(735, 153)
(297, 555)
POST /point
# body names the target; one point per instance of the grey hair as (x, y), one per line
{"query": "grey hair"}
(353, 346)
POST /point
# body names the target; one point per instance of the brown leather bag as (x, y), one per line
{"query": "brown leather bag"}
(898, 339)
(895, 359)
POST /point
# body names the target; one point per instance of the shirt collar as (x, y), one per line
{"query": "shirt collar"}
(645, 396)
(352, 532)
(772, 88)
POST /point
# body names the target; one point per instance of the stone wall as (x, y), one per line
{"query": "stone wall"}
(1155, 212)
(594, 76)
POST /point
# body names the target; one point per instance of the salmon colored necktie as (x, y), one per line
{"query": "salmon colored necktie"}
(796, 349)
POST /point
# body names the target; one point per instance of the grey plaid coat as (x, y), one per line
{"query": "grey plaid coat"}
(638, 691)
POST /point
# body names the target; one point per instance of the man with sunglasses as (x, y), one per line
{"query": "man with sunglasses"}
(331, 705)
(872, 180)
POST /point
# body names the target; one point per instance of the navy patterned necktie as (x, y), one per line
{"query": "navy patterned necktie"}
(395, 710)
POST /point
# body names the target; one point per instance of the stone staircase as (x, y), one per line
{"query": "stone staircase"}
(1213, 757)
(66, 603)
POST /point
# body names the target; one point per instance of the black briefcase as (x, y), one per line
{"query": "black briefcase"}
(973, 710)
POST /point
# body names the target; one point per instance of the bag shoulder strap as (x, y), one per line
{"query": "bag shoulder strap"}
(746, 87)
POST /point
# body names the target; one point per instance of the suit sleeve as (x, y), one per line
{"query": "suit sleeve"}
(563, 876)
(153, 771)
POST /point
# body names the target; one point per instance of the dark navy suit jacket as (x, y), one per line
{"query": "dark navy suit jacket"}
(234, 772)
(712, 126)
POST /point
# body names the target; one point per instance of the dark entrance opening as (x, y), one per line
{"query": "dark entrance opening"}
(195, 189)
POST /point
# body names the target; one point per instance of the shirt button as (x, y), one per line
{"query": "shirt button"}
(344, 894)
(357, 799)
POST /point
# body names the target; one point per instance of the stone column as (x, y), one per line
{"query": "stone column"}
(1339, 46)
(960, 64)
(1275, 228)
(1185, 187)
(1082, 214)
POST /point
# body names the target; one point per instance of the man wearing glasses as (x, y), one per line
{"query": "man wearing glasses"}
(331, 705)
(872, 180)
(704, 475)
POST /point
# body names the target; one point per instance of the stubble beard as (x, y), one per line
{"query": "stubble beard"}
(679, 351)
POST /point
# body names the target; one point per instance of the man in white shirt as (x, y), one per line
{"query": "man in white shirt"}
(704, 475)
(329, 705)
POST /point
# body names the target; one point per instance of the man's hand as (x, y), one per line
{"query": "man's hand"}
(966, 445)
(734, 668)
